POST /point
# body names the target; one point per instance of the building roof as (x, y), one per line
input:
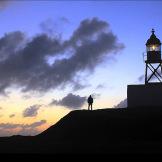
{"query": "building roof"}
(153, 39)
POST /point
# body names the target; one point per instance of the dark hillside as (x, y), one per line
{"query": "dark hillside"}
(136, 130)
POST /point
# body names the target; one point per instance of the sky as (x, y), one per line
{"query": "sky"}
(54, 54)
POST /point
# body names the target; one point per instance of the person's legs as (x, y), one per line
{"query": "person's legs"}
(88, 106)
(91, 106)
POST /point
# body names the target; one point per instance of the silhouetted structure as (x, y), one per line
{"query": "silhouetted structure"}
(149, 94)
(90, 102)
(153, 48)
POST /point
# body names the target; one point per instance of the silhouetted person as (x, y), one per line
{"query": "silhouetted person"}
(90, 102)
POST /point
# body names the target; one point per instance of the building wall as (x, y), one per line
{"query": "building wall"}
(144, 95)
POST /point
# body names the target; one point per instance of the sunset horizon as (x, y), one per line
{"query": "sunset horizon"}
(54, 54)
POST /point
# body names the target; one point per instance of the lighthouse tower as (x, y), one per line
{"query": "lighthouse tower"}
(149, 94)
(153, 60)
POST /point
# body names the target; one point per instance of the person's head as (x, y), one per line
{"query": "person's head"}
(90, 96)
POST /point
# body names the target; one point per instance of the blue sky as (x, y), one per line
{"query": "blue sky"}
(130, 21)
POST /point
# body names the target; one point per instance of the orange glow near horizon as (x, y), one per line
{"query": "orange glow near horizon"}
(16, 104)
(52, 114)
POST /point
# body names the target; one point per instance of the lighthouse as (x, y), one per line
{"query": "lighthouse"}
(149, 94)
(153, 60)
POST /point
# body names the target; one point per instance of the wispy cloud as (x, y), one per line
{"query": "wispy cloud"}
(6, 129)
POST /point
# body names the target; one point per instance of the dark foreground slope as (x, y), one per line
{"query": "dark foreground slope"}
(137, 130)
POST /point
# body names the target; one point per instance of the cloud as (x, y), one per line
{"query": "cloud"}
(31, 111)
(78, 86)
(149, 73)
(36, 124)
(52, 27)
(25, 62)
(49, 27)
(89, 28)
(96, 95)
(141, 78)
(10, 44)
(70, 101)
(122, 104)
(26, 97)
(64, 20)
(153, 78)
(29, 132)
(6, 129)
(12, 115)
(9, 126)
(3, 3)
(100, 86)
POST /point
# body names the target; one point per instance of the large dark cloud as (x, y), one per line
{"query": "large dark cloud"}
(6, 129)
(31, 111)
(24, 61)
(70, 101)
(10, 44)
(3, 3)
(89, 28)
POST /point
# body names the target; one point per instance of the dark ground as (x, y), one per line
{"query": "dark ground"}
(107, 131)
